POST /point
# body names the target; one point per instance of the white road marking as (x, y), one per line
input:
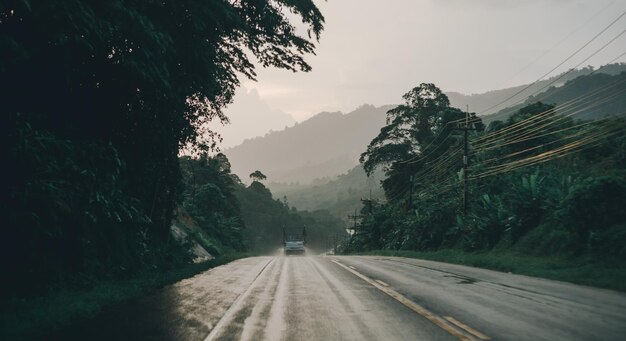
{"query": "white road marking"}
(382, 283)
(432, 317)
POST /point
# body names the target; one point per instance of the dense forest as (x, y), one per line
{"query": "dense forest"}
(98, 100)
(233, 217)
(297, 156)
(540, 182)
(340, 196)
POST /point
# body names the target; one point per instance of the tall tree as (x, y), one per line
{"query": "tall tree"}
(411, 128)
(143, 77)
(257, 176)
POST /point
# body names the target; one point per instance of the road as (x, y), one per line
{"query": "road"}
(362, 298)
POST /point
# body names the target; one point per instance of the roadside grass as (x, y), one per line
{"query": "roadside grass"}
(25, 318)
(601, 274)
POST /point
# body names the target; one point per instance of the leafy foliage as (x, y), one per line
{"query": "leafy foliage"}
(267, 219)
(209, 198)
(572, 206)
(233, 217)
(99, 97)
(410, 130)
(257, 176)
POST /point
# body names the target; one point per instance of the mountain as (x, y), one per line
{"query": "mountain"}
(326, 145)
(329, 143)
(610, 102)
(481, 102)
(250, 116)
(339, 196)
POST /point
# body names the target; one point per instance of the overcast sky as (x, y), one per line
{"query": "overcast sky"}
(373, 51)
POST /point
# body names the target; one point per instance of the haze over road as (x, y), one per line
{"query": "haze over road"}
(363, 298)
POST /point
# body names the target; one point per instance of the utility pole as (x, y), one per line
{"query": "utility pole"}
(411, 194)
(284, 235)
(465, 161)
(354, 217)
(368, 203)
(466, 128)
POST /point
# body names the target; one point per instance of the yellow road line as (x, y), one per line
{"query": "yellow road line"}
(409, 304)
(382, 283)
(467, 328)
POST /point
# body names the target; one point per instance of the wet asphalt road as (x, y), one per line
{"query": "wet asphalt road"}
(361, 298)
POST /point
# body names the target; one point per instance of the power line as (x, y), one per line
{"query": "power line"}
(499, 158)
(418, 158)
(530, 134)
(525, 135)
(536, 93)
(570, 105)
(549, 155)
(558, 44)
(559, 65)
(579, 64)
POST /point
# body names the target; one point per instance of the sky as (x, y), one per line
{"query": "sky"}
(374, 51)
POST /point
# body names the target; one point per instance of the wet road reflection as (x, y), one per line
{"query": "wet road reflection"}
(360, 298)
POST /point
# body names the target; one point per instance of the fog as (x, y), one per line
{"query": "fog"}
(374, 51)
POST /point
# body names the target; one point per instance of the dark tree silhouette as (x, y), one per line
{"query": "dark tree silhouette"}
(410, 128)
(98, 97)
(257, 176)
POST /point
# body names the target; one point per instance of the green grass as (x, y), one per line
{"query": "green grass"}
(574, 270)
(23, 318)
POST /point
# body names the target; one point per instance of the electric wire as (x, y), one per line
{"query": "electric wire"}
(579, 64)
(559, 65)
(518, 128)
(572, 102)
(549, 155)
(538, 92)
(558, 44)
(579, 133)
(418, 158)
(538, 132)
(528, 134)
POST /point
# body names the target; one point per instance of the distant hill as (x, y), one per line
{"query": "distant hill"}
(581, 86)
(326, 145)
(480, 102)
(340, 196)
(329, 143)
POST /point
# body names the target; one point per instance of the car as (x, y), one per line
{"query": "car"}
(294, 247)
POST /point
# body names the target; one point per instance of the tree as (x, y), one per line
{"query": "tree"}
(143, 77)
(257, 176)
(411, 128)
(209, 198)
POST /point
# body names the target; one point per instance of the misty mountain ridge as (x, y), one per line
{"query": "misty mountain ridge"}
(480, 102)
(329, 143)
(326, 145)
(340, 195)
(581, 87)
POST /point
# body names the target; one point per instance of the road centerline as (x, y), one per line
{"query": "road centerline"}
(432, 317)
(467, 328)
(382, 283)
